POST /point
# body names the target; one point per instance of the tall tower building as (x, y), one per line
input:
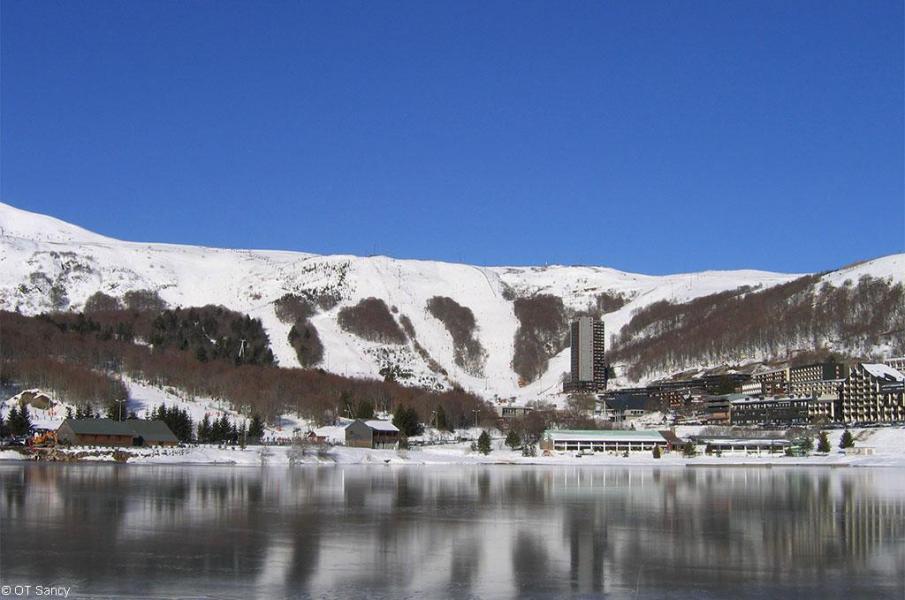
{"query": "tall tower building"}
(588, 357)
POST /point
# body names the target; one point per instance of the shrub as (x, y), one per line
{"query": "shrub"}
(371, 320)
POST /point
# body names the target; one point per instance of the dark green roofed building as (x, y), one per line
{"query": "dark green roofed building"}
(107, 432)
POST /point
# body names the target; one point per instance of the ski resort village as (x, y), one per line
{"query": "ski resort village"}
(151, 353)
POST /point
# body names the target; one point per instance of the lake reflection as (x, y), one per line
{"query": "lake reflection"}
(460, 532)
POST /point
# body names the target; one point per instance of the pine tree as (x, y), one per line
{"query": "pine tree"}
(807, 445)
(513, 440)
(256, 427)
(442, 421)
(406, 420)
(484, 443)
(823, 443)
(12, 421)
(688, 450)
(204, 430)
(24, 421)
(847, 440)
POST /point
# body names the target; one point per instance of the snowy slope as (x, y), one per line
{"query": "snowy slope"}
(42, 258)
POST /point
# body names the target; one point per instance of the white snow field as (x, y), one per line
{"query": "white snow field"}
(39, 252)
(887, 447)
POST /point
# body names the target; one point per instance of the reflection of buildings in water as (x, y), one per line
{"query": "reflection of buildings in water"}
(452, 531)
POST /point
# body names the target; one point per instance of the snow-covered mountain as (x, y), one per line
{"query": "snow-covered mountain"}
(47, 264)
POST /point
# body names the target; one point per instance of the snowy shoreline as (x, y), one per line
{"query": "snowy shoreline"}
(460, 454)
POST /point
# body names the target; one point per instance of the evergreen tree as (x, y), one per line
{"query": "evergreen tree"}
(4, 428)
(513, 440)
(364, 410)
(406, 420)
(484, 443)
(807, 445)
(656, 451)
(24, 421)
(823, 443)
(847, 440)
(204, 430)
(256, 428)
(688, 450)
(12, 421)
(223, 426)
(442, 421)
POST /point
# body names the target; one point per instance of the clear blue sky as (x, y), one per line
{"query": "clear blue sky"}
(648, 136)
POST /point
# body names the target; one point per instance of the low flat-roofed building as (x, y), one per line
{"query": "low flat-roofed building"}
(603, 440)
(783, 412)
(511, 412)
(753, 446)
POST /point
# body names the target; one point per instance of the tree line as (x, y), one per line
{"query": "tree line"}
(745, 323)
(37, 349)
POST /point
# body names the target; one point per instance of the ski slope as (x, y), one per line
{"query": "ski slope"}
(42, 257)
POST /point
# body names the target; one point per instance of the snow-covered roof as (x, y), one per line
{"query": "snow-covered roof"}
(603, 435)
(380, 425)
(883, 371)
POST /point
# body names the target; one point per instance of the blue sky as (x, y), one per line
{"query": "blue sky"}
(649, 136)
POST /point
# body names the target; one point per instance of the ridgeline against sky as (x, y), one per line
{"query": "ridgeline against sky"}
(654, 137)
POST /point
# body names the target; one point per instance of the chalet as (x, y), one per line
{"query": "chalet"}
(107, 432)
(372, 433)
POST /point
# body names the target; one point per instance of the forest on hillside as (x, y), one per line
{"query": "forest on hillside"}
(82, 358)
(743, 324)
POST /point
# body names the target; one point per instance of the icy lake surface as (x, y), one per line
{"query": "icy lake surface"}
(465, 531)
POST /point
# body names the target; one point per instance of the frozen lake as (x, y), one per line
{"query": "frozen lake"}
(465, 531)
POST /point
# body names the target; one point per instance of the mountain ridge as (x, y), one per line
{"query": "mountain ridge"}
(48, 264)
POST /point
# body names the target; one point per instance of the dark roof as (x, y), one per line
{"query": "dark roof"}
(98, 427)
(151, 431)
(627, 401)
